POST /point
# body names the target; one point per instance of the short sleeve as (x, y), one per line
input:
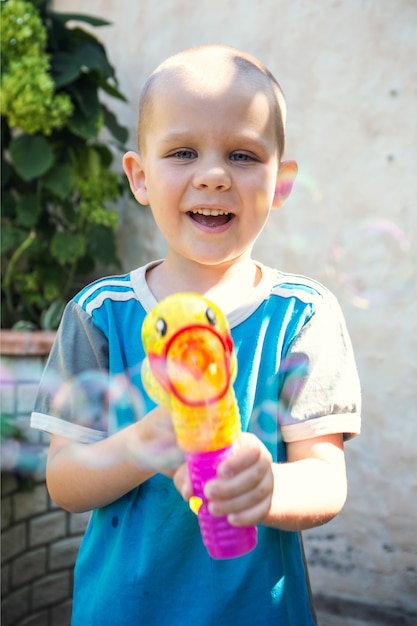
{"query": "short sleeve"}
(321, 393)
(72, 390)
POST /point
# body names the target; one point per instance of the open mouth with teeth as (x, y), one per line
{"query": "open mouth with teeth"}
(210, 217)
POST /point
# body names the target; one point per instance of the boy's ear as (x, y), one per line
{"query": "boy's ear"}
(285, 180)
(133, 167)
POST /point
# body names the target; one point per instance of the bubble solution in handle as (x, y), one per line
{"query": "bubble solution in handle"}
(222, 540)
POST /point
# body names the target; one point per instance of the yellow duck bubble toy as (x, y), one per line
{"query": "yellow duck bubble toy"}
(190, 369)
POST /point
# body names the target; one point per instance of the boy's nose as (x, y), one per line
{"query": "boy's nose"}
(214, 177)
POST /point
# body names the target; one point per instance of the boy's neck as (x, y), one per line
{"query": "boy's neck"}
(226, 285)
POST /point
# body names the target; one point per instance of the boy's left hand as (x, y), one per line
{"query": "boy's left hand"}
(244, 486)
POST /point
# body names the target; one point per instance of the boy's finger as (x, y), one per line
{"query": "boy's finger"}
(250, 517)
(233, 487)
(246, 510)
(246, 455)
(182, 482)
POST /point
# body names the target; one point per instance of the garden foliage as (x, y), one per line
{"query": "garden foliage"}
(58, 187)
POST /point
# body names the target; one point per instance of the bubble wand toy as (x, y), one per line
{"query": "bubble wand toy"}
(190, 369)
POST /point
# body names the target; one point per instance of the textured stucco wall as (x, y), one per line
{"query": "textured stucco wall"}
(349, 72)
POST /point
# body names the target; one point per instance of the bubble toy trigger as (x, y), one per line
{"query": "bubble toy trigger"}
(189, 369)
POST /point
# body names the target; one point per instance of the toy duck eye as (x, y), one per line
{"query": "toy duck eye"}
(161, 327)
(211, 317)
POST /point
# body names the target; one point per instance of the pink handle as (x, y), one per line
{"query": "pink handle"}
(222, 540)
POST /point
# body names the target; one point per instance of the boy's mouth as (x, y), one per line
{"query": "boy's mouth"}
(210, 217)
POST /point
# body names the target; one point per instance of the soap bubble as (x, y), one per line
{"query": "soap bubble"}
(306, 184)
(107, 404)
(21, 452)
(92, 400)
(18, 456)
(274, 411)
(96, 400)
(372, 262)
(264, 422)
(83, 398)
(283, 242)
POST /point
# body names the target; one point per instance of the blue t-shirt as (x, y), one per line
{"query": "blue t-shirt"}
(142, 560)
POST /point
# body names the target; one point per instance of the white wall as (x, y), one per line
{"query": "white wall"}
(349, 71)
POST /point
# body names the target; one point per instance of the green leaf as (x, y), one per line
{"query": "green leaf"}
(92, 163)
(105, 154)
(84, 92)
(80, 17)
(87, 119)
(51, 317)
(8, 204)
(9, 238)
(64, 68)
(59, 35)
(9, 428)
(26, 211)
(32, 156)
(86, 127)
(91, 55)
(24, 325)
(60, 181)
(67, 247)
(85, 266)
(111, 90)
(110, 121)
(6, 173)
(101, 245)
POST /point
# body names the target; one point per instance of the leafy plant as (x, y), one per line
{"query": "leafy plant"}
(58, 188)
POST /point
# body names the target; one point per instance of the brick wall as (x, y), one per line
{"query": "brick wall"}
(39, 547)
(39, 541)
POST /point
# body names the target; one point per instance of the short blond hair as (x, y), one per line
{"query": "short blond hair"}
(244, 62)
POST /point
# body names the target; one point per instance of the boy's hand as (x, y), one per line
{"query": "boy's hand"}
(157, 447)
(243, 489)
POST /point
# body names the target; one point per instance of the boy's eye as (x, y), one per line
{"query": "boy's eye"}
(240, 157)
(183, 154)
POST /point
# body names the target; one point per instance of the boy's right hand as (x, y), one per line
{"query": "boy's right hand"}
(82, 477)
(156, 446)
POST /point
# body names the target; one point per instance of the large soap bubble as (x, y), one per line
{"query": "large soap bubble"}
(372, 262)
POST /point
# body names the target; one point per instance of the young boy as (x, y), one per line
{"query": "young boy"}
(210, 165)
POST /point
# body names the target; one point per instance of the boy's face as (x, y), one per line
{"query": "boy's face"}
(209, 166)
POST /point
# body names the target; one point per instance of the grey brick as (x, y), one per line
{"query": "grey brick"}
(62, 554)
(8, 365)
(9, 484)
(5, 580)
(29, 566)
(53, 505)
(6, 512)
(13, 542)
(61, 614)
(28, 369)
(8, 397)
(51, 589)
(23, 455)
(47, 528)
(36, 619)
(15, 606)
(30, 503)
(78, 522)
